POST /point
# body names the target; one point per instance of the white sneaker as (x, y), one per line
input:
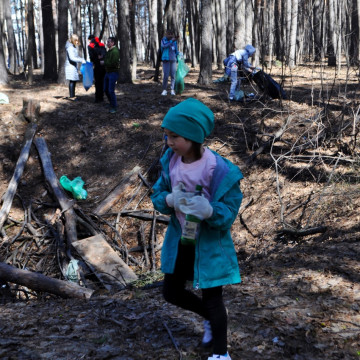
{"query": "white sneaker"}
(221, 357)
(164, 93)
(172, 92)
(207, 338)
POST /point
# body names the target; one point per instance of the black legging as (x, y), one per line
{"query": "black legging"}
(210, 306)
(72, 85)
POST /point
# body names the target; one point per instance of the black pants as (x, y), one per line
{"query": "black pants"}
(210, 306)
(99, 73)
(72, 86)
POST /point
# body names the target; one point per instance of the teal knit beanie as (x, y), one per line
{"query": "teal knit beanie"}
(190, 119)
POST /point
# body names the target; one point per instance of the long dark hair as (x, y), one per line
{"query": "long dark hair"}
(196, 148)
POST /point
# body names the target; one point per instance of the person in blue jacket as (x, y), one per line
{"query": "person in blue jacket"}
(239, 58)
(169, 52)
(212, 262)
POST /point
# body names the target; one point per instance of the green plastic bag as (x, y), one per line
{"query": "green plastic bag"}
(181, 71)
(74, 186)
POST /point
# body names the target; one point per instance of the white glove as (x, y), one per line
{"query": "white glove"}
(178, 193)
(198, 206)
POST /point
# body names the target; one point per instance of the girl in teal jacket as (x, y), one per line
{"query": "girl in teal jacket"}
(211, 262)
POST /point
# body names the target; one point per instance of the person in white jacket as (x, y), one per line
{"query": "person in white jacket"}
(72, 58)
(239, 58)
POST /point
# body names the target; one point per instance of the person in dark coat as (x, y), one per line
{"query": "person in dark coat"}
(97, 52)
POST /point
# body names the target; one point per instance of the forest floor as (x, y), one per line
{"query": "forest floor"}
(300, 294)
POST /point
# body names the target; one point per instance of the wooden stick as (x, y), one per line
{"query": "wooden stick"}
(303, 232)
(64, 202)
(19, 169)
(119, 191)
(40, 282)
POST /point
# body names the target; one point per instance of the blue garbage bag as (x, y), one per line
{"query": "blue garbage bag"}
(88, 74)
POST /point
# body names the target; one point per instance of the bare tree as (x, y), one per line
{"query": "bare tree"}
(31, 41)
(3, 72)
(293, 32)
(11, 43)
(220, 12)
(124, 37)
(63, 7)
(205, 76)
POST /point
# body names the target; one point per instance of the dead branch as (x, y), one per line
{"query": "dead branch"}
(20, 165)
(153, 242)
(40, 282)
(64, 202)
(269, 142)
(302, 232)
(118, 192)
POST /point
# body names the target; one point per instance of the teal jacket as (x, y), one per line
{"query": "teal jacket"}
(215, 257)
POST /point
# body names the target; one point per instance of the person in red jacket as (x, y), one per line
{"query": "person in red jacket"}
(97, 52)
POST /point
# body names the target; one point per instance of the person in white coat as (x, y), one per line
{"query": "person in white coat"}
(72, 58)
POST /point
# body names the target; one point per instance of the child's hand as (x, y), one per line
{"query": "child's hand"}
(178, 193)
(198, 206)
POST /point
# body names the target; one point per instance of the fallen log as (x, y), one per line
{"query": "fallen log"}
(40, 282)
(19, 169)
(65, 203)
(118, 192)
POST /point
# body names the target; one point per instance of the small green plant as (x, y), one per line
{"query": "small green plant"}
(136, 125)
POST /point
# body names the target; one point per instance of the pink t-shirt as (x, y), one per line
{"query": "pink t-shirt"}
(197, 173)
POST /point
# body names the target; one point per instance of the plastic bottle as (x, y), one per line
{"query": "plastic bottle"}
(191, 225)
(75, 187)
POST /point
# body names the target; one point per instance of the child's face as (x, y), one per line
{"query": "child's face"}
(178, 144)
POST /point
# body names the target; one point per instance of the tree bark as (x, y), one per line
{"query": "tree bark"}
(39, 282)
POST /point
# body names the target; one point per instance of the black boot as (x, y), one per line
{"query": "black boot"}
(72, 85)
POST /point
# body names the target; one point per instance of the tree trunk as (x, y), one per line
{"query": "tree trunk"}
(3, 72)
(205, 76)
(239, 24)
(96, 20)
(331, 34)
(230, 28)
(124, 37)
(50, 61)
(220, 12)
(317, 30)
(133, 39)
(153, 33)
(293, 31)
(11, 43)
(62, 38)
(31, 42)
